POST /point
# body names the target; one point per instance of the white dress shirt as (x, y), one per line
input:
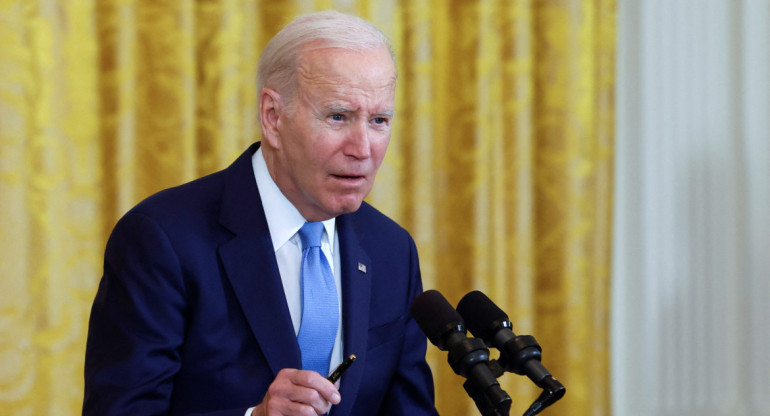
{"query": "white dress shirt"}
(284, 222)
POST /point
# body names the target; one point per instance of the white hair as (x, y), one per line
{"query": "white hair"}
(328, 29)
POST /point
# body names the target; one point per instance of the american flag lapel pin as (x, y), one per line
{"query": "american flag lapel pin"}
(361, 267)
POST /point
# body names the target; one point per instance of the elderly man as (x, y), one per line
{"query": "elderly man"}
(237, 293)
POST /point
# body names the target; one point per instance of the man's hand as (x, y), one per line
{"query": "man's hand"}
(298, 392)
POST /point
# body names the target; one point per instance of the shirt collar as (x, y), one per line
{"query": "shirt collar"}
(283, 219)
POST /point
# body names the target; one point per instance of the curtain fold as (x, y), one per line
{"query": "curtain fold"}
(499, 165)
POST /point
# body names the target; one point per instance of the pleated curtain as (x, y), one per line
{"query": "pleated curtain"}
(500, 164)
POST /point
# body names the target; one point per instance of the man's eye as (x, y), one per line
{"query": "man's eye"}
(337, 117)
(380, 120)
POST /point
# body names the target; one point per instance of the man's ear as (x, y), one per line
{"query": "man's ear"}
(270, 112)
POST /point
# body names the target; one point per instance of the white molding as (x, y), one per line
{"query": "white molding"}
(691, 272)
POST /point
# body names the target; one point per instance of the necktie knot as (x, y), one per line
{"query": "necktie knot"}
(311, 233)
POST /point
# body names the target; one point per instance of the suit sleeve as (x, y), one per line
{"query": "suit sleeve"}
(137, 324)
(411, 390)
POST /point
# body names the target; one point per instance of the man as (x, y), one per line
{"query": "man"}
(202, 307)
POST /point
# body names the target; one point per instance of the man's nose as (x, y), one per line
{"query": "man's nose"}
(358, 144)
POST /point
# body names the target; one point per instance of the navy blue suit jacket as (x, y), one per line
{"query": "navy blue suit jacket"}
(191, 318)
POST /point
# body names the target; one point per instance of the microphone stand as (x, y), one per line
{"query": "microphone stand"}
(552, 392)
(492, 404)
(481, 386)
(490, 399)
(526, 352)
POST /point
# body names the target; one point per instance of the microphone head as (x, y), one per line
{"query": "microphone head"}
(436, 317)
(482, 316)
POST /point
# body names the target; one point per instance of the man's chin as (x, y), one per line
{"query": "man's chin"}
(326, 212)
(350, 207)
(347, 205)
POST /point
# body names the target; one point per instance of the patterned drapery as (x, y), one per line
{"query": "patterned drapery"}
(500, 162)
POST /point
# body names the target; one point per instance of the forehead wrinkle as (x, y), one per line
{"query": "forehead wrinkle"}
(334, 87)
(344, 98)
(311, 70)
(342, 85)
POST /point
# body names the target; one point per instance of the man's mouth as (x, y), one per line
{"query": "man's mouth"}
(348, 176)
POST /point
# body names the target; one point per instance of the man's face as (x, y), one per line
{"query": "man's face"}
(330, 143)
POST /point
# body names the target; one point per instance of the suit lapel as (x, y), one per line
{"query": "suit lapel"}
(249, 262)
(356, 278)
(250, 265)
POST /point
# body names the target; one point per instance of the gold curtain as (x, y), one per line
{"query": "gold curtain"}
(500, 164)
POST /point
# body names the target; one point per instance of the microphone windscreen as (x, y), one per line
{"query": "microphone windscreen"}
(481, 314)
(434, 314)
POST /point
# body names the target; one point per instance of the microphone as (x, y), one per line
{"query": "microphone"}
(468, 357)
(519, 354)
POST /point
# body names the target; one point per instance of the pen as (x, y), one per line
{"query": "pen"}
(337, 373)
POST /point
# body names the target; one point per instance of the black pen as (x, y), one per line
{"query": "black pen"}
(337, 373)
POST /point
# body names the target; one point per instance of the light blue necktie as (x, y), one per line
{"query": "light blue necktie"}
(320, 311)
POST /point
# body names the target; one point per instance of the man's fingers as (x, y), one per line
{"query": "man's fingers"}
(319, 384)
(298, 392)
(282, 407)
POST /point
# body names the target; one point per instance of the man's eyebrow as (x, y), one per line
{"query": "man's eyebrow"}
(386, 113)
(341, 108)
(336, 108)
